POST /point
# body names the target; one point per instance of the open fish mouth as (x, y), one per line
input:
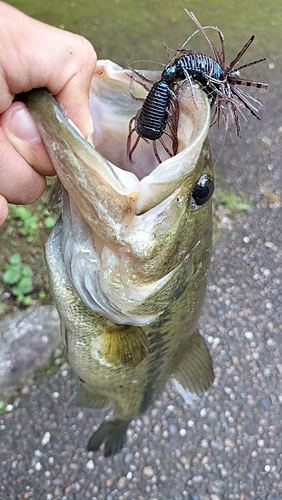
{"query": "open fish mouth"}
(112, 105)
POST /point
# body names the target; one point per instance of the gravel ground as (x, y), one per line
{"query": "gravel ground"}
(224, 445)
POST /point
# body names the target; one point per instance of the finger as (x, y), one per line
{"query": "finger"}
(19, 182)
(22, 132)
(3, 209)
(74, 96)
(64, 63)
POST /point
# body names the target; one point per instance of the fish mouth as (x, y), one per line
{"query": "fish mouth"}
(144, 181)
(114, 100)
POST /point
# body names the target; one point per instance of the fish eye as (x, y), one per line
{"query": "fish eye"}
(203, 190)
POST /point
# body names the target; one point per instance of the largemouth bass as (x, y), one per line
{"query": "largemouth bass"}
(129, 257)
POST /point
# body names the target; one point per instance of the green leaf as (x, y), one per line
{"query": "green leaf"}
(26, 271)
(15, 259)
(49, 222)
(21, 212)
(29, 227)
(24, 287)
(26, 300)
(12, 275)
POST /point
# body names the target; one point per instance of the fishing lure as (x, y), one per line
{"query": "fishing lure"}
(159, 110)
(219, 81)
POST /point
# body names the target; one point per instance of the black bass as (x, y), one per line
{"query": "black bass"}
(128, 260)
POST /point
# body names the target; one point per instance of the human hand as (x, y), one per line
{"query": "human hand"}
(32, 55)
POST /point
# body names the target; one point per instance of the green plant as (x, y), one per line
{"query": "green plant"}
(27, 222)
(49, 221)
(19, 277)
(232, 202)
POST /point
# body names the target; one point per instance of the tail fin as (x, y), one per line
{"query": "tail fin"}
(113, 433)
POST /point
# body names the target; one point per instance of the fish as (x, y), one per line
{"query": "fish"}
(129, 256)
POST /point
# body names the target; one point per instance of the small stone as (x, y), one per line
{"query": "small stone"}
(46, 438)
(90, 465)
(146, 420)
(25, 389)
(229, 443)
(193, 496)
(121, 483)
(223, 472)
(73, 466)
(215, 445)
(38, 466)
(197, 479)
(204, 443)
(172, 429)
(148, 471)
(128, 458)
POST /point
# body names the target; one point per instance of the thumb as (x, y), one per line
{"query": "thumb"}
(23, 134)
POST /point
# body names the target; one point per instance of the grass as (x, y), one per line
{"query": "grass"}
(19, 278)
(233, 203)
(23, 274)
(27, 221)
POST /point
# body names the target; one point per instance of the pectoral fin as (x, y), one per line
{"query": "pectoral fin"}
(88, 398)
(124, 345)
(192, 365)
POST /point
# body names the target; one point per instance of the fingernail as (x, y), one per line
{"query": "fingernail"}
(23, 126)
